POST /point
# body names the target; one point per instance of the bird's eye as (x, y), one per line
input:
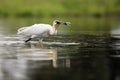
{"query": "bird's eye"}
(58, 22)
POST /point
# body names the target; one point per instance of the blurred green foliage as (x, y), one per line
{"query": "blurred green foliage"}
(24, 8)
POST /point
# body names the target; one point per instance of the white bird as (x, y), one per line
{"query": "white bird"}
(41, 30)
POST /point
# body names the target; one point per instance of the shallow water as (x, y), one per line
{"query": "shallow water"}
(67, 56)
(88, 57)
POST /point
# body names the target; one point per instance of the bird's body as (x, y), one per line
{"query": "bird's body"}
(39, 30)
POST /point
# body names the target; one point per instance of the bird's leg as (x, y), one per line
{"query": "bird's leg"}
(28, 40)
(40, 41)
(33, 36)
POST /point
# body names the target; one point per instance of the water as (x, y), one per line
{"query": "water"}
(76, 53)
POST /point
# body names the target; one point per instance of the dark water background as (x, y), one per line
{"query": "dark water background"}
(84, 51)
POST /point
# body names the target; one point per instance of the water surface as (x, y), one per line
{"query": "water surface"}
(84, 51)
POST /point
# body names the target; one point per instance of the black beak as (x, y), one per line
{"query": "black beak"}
(66, 23)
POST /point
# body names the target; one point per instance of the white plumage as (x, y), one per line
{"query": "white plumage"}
(40, 30)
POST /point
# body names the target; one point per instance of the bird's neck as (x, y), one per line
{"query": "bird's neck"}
(56, 26)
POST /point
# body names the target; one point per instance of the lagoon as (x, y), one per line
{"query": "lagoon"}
(83, 51)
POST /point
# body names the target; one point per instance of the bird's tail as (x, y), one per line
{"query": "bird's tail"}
(19, 31)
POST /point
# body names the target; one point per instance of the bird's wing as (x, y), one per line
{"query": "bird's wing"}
(36, 29)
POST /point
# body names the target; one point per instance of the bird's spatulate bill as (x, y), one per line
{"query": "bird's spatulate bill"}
(67, 23)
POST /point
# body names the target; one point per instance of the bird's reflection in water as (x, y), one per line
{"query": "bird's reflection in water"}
(27, 58)
(34, 52)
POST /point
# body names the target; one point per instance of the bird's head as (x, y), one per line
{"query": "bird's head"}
(57, 23)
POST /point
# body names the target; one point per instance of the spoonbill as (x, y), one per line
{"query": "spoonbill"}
(40, 31)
